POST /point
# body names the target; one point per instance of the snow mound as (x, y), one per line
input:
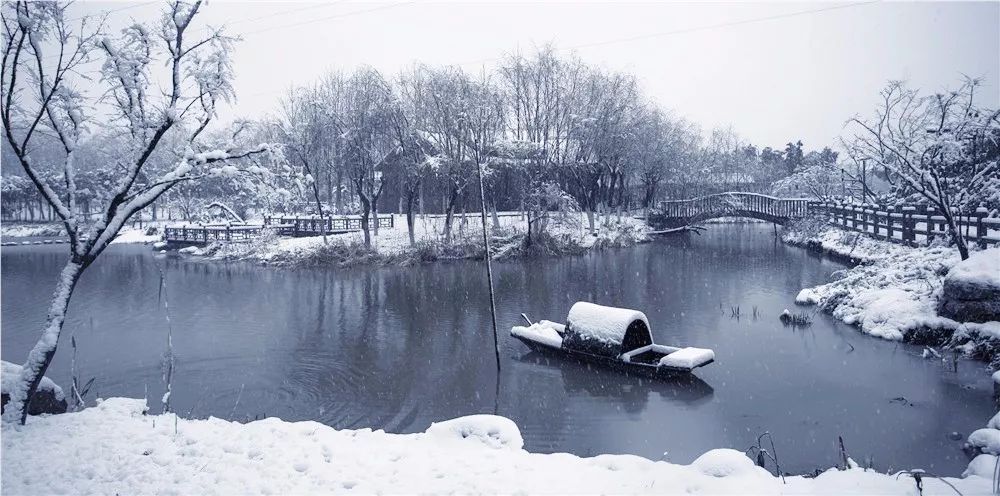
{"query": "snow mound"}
(724, 463)
(982, 466)
(688, 358)
(987, 440)
(543, 332)
(10, 373)
(994, 422)
(601, 323)
(491, 430)
(980, 269)
(893, 292)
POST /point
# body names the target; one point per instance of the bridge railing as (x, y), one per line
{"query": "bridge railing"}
(736, 203)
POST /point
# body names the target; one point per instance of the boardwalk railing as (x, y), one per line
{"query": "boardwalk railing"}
(298, 226)
(735, 204)
(209, 234)
(911, 225)
(284, 226)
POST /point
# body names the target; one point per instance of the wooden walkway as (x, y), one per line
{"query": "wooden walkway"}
(283, 226)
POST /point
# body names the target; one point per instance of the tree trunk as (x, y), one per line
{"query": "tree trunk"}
(409, 217)
(41, 355)
(366, 209)
(956, 233)
(449, 215)
(590, 221)
(496, 217)
(339, 206)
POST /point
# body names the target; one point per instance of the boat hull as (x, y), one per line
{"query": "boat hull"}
(613, 363)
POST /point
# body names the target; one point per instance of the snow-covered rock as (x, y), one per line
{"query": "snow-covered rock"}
(116, 448)
(972, 288)
(48, 398)
(986, 440)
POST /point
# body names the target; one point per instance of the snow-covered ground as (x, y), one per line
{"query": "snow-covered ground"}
(393, 244)
(895, 289)
(116, 448)
(136, 235)
(24, 230)
(126, 235)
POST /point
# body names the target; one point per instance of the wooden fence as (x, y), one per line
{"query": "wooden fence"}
(909, 225)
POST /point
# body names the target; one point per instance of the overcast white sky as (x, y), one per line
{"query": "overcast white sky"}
(771, 70)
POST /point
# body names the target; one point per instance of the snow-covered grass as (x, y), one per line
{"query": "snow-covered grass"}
(567, 234)
(894, 290)
(29, 229)
(116, 448)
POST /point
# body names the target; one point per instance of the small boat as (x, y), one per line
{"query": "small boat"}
(616, 337)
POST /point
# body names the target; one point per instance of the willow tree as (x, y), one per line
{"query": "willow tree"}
(46, 62)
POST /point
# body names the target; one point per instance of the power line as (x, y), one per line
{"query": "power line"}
(283, 12)
(336, 16)
(692, 29)
(112, 11)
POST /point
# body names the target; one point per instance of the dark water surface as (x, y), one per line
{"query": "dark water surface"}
(398, 348)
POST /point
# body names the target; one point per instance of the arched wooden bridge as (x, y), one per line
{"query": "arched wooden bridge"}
(677, 213)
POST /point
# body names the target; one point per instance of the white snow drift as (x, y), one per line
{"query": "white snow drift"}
(115, 448)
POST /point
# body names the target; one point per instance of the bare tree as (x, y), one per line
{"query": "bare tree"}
(367, 111)
(308, 133)
(941, 148)
(39, 97)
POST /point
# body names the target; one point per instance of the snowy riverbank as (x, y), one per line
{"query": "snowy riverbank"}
(894, 291)
(55, 230)
(564, 235)
(77, 453)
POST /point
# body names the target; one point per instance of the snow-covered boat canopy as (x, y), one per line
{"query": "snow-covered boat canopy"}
(613, 330)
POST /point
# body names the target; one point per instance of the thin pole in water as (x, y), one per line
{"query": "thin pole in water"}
(489, 268)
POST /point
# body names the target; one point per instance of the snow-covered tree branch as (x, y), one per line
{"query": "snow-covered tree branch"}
(144, 113)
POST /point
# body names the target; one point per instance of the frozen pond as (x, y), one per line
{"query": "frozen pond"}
(399, 348)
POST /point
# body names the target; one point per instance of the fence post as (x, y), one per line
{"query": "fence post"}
(909, 237)
(931, 225)
(980, 214)
(228, 235)
(889, 222)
